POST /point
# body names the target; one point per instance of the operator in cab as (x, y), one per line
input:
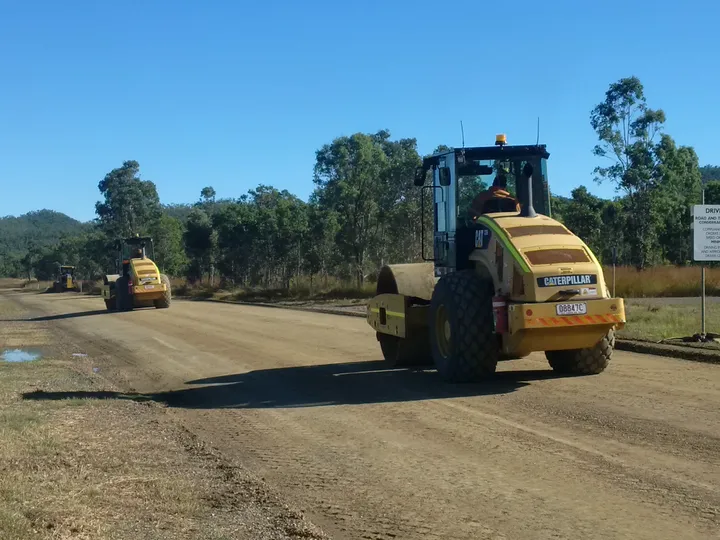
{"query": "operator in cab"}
(495, 199)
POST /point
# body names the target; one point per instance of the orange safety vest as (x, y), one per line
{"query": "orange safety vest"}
(494, 193)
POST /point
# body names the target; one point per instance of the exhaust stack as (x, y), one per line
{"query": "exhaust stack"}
(526, 206)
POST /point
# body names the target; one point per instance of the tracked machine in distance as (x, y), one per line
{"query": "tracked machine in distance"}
(499, 283)
(138, 282)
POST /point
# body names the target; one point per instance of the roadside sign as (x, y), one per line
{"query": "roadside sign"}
(706, 232)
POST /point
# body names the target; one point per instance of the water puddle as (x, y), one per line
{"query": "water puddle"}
(18, 355)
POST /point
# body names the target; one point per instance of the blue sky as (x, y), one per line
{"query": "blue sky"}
(233, 93)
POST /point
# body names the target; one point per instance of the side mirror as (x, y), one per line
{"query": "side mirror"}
(420, 174)
(444, 176)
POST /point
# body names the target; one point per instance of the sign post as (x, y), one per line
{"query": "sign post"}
(614, 259)
(706, 244)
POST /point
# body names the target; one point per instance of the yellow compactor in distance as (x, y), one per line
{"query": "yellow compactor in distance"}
(498, 284)
(139, 282)
(65, 280)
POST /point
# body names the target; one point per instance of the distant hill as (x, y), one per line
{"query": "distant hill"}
(41, 228)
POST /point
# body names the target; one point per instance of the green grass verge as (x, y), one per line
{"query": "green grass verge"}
(657, 320)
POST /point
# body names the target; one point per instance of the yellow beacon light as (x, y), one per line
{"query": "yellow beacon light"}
(500, 140)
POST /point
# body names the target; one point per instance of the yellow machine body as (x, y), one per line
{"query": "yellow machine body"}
(147, 286)
(65, 279)
(504, 280)
(537, 264)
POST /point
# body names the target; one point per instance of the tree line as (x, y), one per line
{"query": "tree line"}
(365, 210)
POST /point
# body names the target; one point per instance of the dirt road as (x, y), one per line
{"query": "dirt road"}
(303, 401)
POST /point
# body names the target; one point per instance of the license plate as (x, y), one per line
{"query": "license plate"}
(148, 287)
(571, 309)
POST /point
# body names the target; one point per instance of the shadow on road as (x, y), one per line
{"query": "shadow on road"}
(68, 315)
(75, 296)
(353, 383)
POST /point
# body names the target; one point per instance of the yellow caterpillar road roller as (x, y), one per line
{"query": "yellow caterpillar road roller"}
(65, 280)
(503, 280)
(138, 282)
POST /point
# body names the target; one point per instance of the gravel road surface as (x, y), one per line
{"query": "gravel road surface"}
(368, 453)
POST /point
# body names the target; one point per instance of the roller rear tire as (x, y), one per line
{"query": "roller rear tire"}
(464, 345)
(164, 302)
(590, 361)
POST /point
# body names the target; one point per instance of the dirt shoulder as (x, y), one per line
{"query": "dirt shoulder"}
(79, 466)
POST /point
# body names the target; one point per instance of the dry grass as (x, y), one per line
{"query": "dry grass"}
(87, 286)
(663, 281)
(80, 468)
(11, 283)
(90, 286)
(657, 282)
(94, 470)
(301, 289)
(73, 466)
